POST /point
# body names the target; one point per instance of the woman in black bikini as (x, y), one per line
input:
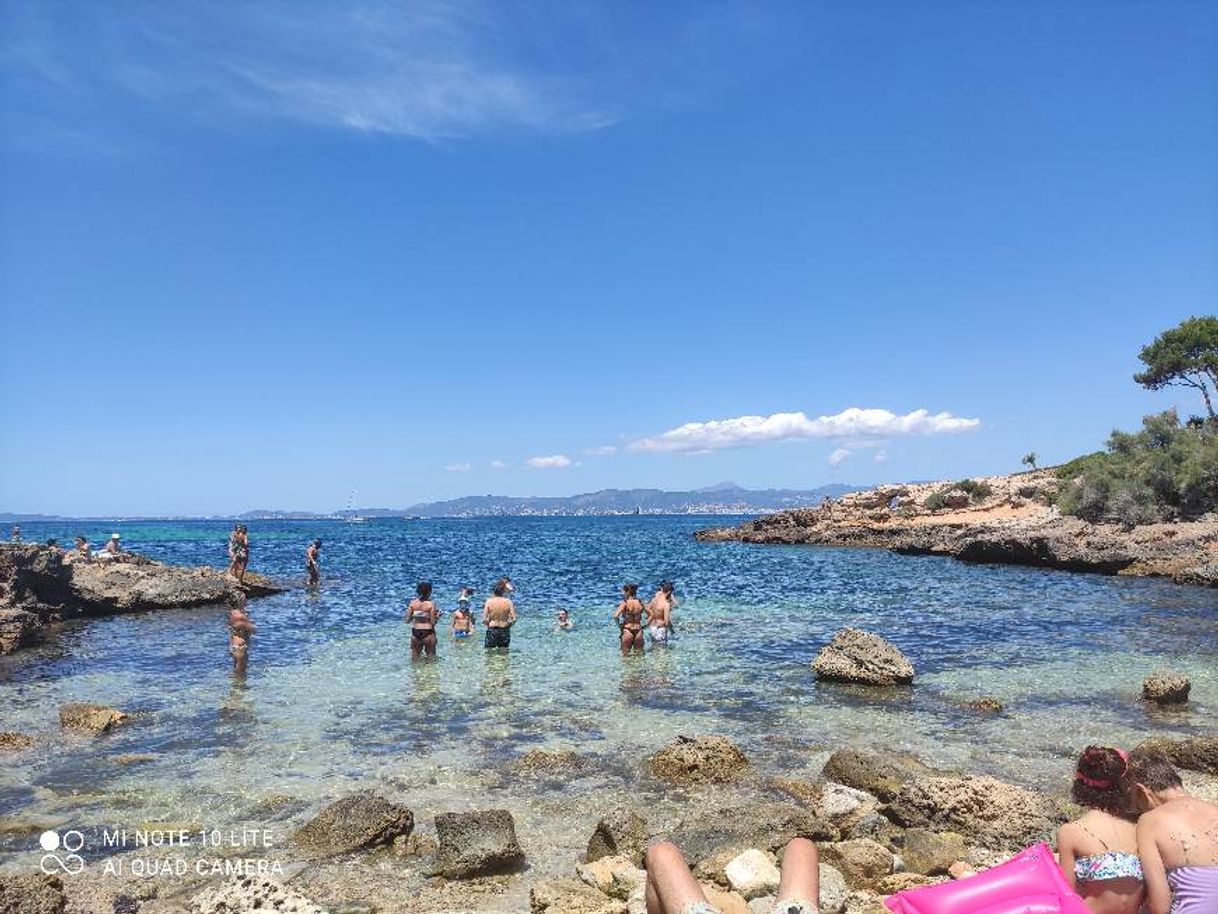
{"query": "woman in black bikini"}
(422, 616)
(630, 612)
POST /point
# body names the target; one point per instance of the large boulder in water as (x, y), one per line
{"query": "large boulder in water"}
(1199, 753)
(477, 844)
(881, 774)
(623, 832)
(862, 657)
(1166, 687)
(984, 810)
(354, 823)
(699, 760)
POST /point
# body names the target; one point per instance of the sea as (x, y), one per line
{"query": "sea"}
(331, 702)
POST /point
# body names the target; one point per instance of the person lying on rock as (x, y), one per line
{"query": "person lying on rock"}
(672, 889)
(1177, 838)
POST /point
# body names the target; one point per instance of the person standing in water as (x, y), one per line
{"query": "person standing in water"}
(499, 615)
(239, 552)
(563, 621)
(1098, 851)
(630, 612)
(1177, 838)
(422, 616)
(240, 630)
(659, 614)
(313, 562)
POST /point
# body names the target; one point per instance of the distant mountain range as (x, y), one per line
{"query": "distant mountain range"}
(725, 498)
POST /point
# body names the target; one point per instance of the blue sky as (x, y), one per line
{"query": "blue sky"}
(259, 255)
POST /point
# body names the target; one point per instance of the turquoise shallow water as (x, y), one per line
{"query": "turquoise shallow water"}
(332, 703)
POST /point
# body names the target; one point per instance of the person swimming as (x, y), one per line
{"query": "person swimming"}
(630, 613)
(659, 614)
(241, 629)
(422, 616)
(499, 615)
(563, 620)
(1177, 838)
(1098, 851)
(313, 562)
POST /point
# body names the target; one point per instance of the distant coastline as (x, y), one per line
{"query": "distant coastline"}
(723, 499)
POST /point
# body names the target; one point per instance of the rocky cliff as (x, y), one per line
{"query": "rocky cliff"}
(40, 586)
(1000, 519)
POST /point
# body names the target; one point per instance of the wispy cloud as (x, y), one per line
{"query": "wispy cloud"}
(881, 456)
(836, 458)
(498, 465)
(428, 69)
(458, 467)
(552, 462)
(853, 424)
(605, 450)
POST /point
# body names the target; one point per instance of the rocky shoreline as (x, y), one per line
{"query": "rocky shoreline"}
(1006, 520)
(884, 821)
(41, 586)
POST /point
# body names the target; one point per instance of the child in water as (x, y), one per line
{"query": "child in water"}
(564, 620)
(240, 629)
(463, 619)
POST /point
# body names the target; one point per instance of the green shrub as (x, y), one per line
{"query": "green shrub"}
(977, 491)
(935, 501)
(1167, 470)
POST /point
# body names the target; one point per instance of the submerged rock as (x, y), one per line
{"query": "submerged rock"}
(878, 772)
(986, 704)
(1196, 754)
(15, 742)
(35, 894)
(89, 718)
(1166, 687)
(477, 844)
(861, 657)
(354, 823)
(984, 810)
(699, 760)
(621, 833)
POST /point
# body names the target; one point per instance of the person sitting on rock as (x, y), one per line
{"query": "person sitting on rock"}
(241, 629)
(672, 889)
(1098, 850)
(83, 552)
(1177, 838)
(113, 548)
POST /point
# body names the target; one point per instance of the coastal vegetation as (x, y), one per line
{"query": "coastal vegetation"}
(1169, 469)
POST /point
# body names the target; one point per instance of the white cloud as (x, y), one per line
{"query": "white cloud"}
(498, 465)
(458, 467)
(853, 424)
(881, 456)
(552, 462)
(604, 450)
(429, 69)
(836, 458)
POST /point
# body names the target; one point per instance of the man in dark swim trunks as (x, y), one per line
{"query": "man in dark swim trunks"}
(313, 562)
(498, 616)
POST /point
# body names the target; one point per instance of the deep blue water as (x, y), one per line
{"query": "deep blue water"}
(332, 702)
